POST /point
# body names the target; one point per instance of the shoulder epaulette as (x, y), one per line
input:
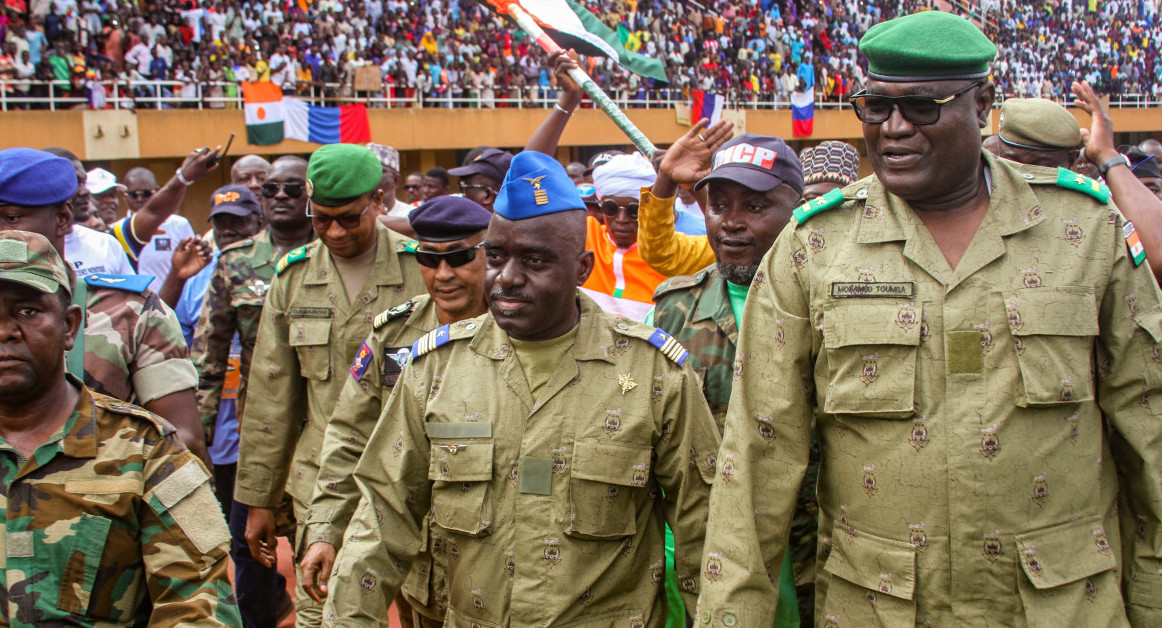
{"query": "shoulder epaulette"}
(657, 337)
(830, 200)
(113, 404)
(233, 246)
(128, 283)
(407, 246)
(1080, 183)
(296, 255)
(391, 314)
(681, 282)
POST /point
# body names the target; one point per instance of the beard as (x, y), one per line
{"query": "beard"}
(739, 274)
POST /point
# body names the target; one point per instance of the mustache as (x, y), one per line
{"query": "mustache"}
(507, 294)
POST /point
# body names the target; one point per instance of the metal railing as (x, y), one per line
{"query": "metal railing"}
(139, 94)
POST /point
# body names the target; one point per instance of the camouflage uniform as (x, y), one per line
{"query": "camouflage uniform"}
(336, 495)
(696, 311)
(551, 509)
(970, 419)
(308, 336)
(112, 523)
(133, 344)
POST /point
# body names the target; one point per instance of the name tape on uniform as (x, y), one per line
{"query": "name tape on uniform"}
(857, 289)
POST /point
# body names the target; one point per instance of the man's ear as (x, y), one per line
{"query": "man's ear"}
(985, 96)
(63, 220)
(74, 319)
(585, 264)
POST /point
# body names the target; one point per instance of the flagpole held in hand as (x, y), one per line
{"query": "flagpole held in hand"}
(530, 26)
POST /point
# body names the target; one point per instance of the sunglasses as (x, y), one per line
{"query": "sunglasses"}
(473, 186)
(322, 222)
(293, 190)
(456, 258)
(918, 110)
(411, 186)
(611, 209)
(140, 195)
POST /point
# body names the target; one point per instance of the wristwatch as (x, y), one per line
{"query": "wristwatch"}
(1105, 166)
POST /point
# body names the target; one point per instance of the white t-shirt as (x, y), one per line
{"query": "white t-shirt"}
(400, 209)
(281, 77)
(91, 251)
(157, 256)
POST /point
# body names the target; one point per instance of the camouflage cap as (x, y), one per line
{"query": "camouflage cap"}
(30, 259)
(1038, 124)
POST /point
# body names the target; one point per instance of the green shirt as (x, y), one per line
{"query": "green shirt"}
(539, 358)
(737, 295)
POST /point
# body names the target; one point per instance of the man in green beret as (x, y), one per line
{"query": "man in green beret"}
(1038, 132)
(318, 310)
(975, 342)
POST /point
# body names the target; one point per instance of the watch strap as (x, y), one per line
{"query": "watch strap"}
(1118, 159)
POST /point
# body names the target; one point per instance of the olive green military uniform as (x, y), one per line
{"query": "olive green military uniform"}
(696, 310)
(551, 508)
(372, 376)
(967, 474)
(111, 522)
(309, 334)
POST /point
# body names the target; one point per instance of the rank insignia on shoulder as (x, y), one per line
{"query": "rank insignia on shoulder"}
(668, 346)
(1137, 251)
(128, 283)
(830, 200)
(431, 341)
(1072, 181)
(296, 255)
(360, 363)
(410, 246)
(389, 315)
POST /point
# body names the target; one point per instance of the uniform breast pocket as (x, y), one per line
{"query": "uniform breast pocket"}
(871, 349)
(873, 580)
(1053, 336)
(460, 467)
(311, 340)
(89, 586)
(605, 486)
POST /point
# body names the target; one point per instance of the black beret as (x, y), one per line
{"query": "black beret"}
(448, 218)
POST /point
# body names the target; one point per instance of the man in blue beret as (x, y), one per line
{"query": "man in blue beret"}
(317, 312)
(974, 341)
(450, 230)
(544, 443)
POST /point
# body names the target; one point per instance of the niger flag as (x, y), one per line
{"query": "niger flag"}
(264, 113)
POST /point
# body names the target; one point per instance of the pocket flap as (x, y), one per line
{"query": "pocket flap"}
(860, 322)
(104, 486)
(453, 461)
(308, 333)
(875, 563)
(624, 464)
(1065, 553)
(1052, 311)
(1151, 322)
(458, 430)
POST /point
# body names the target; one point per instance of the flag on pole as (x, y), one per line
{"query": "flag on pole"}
(803, 113)
(264, 113)
(326, 125)
(705, 105)
(571, 25)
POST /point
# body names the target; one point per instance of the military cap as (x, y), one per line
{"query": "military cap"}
(759, 162)
(492, 163)
(926, 46)
(830, 162)
(30, 259)
(340, 173)
(1038, 124)
(535, 185)
(448, 218)
(236, 200)
(1143, 164)
(33, 178)
(388, 156)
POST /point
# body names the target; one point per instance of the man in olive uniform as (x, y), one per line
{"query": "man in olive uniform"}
(1038, 132)
(976, 343)
(548, 439)
(755, 183)
(450, 230)
(319, 309)
(107, 519)
(132, 347)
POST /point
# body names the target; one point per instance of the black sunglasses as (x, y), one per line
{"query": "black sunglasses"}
(459, 257)
(611, 209)
(411, 186)
(919, 110)
(293, 190)
(474, 186)
(322, 222)
(140, 195)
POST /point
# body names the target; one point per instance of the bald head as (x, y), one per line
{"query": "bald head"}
(251, 171)
(1152, 147)
(140, 184)
(141, 177)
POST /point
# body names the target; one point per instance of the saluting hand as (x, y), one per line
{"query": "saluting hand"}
(689, 159)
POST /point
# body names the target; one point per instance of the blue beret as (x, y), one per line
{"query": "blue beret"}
(448, 218)
(32, 178)
(535, 185)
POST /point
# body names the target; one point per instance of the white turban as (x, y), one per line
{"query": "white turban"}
(624, 175)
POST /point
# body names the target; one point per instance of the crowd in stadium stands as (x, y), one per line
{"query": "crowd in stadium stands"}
(459, 53)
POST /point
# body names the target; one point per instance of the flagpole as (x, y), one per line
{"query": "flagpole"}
(530, 26)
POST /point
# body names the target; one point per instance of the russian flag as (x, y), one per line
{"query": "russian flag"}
(325, 125)
(803, 113)
(705, 105)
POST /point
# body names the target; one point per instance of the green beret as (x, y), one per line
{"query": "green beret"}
(340, 173)
(1038, 124)
(926, 46)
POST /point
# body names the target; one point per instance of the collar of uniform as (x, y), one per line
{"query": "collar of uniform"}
(1014, 205)
(80, 431)
(714, 304)
(594, 338)
(424, 316)
(321, 268)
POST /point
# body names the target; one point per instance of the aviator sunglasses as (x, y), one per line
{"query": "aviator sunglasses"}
(293, 190)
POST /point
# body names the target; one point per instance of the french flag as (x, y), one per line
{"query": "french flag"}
(803, 113)
(325, 125)
(705, 105)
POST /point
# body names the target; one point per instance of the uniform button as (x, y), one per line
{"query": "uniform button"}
(470, 326)
(862, 193)
(728, 620)
(706, 617)
(622, 326)
(1029, 175)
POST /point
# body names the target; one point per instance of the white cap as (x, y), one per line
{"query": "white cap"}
(100, 180)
